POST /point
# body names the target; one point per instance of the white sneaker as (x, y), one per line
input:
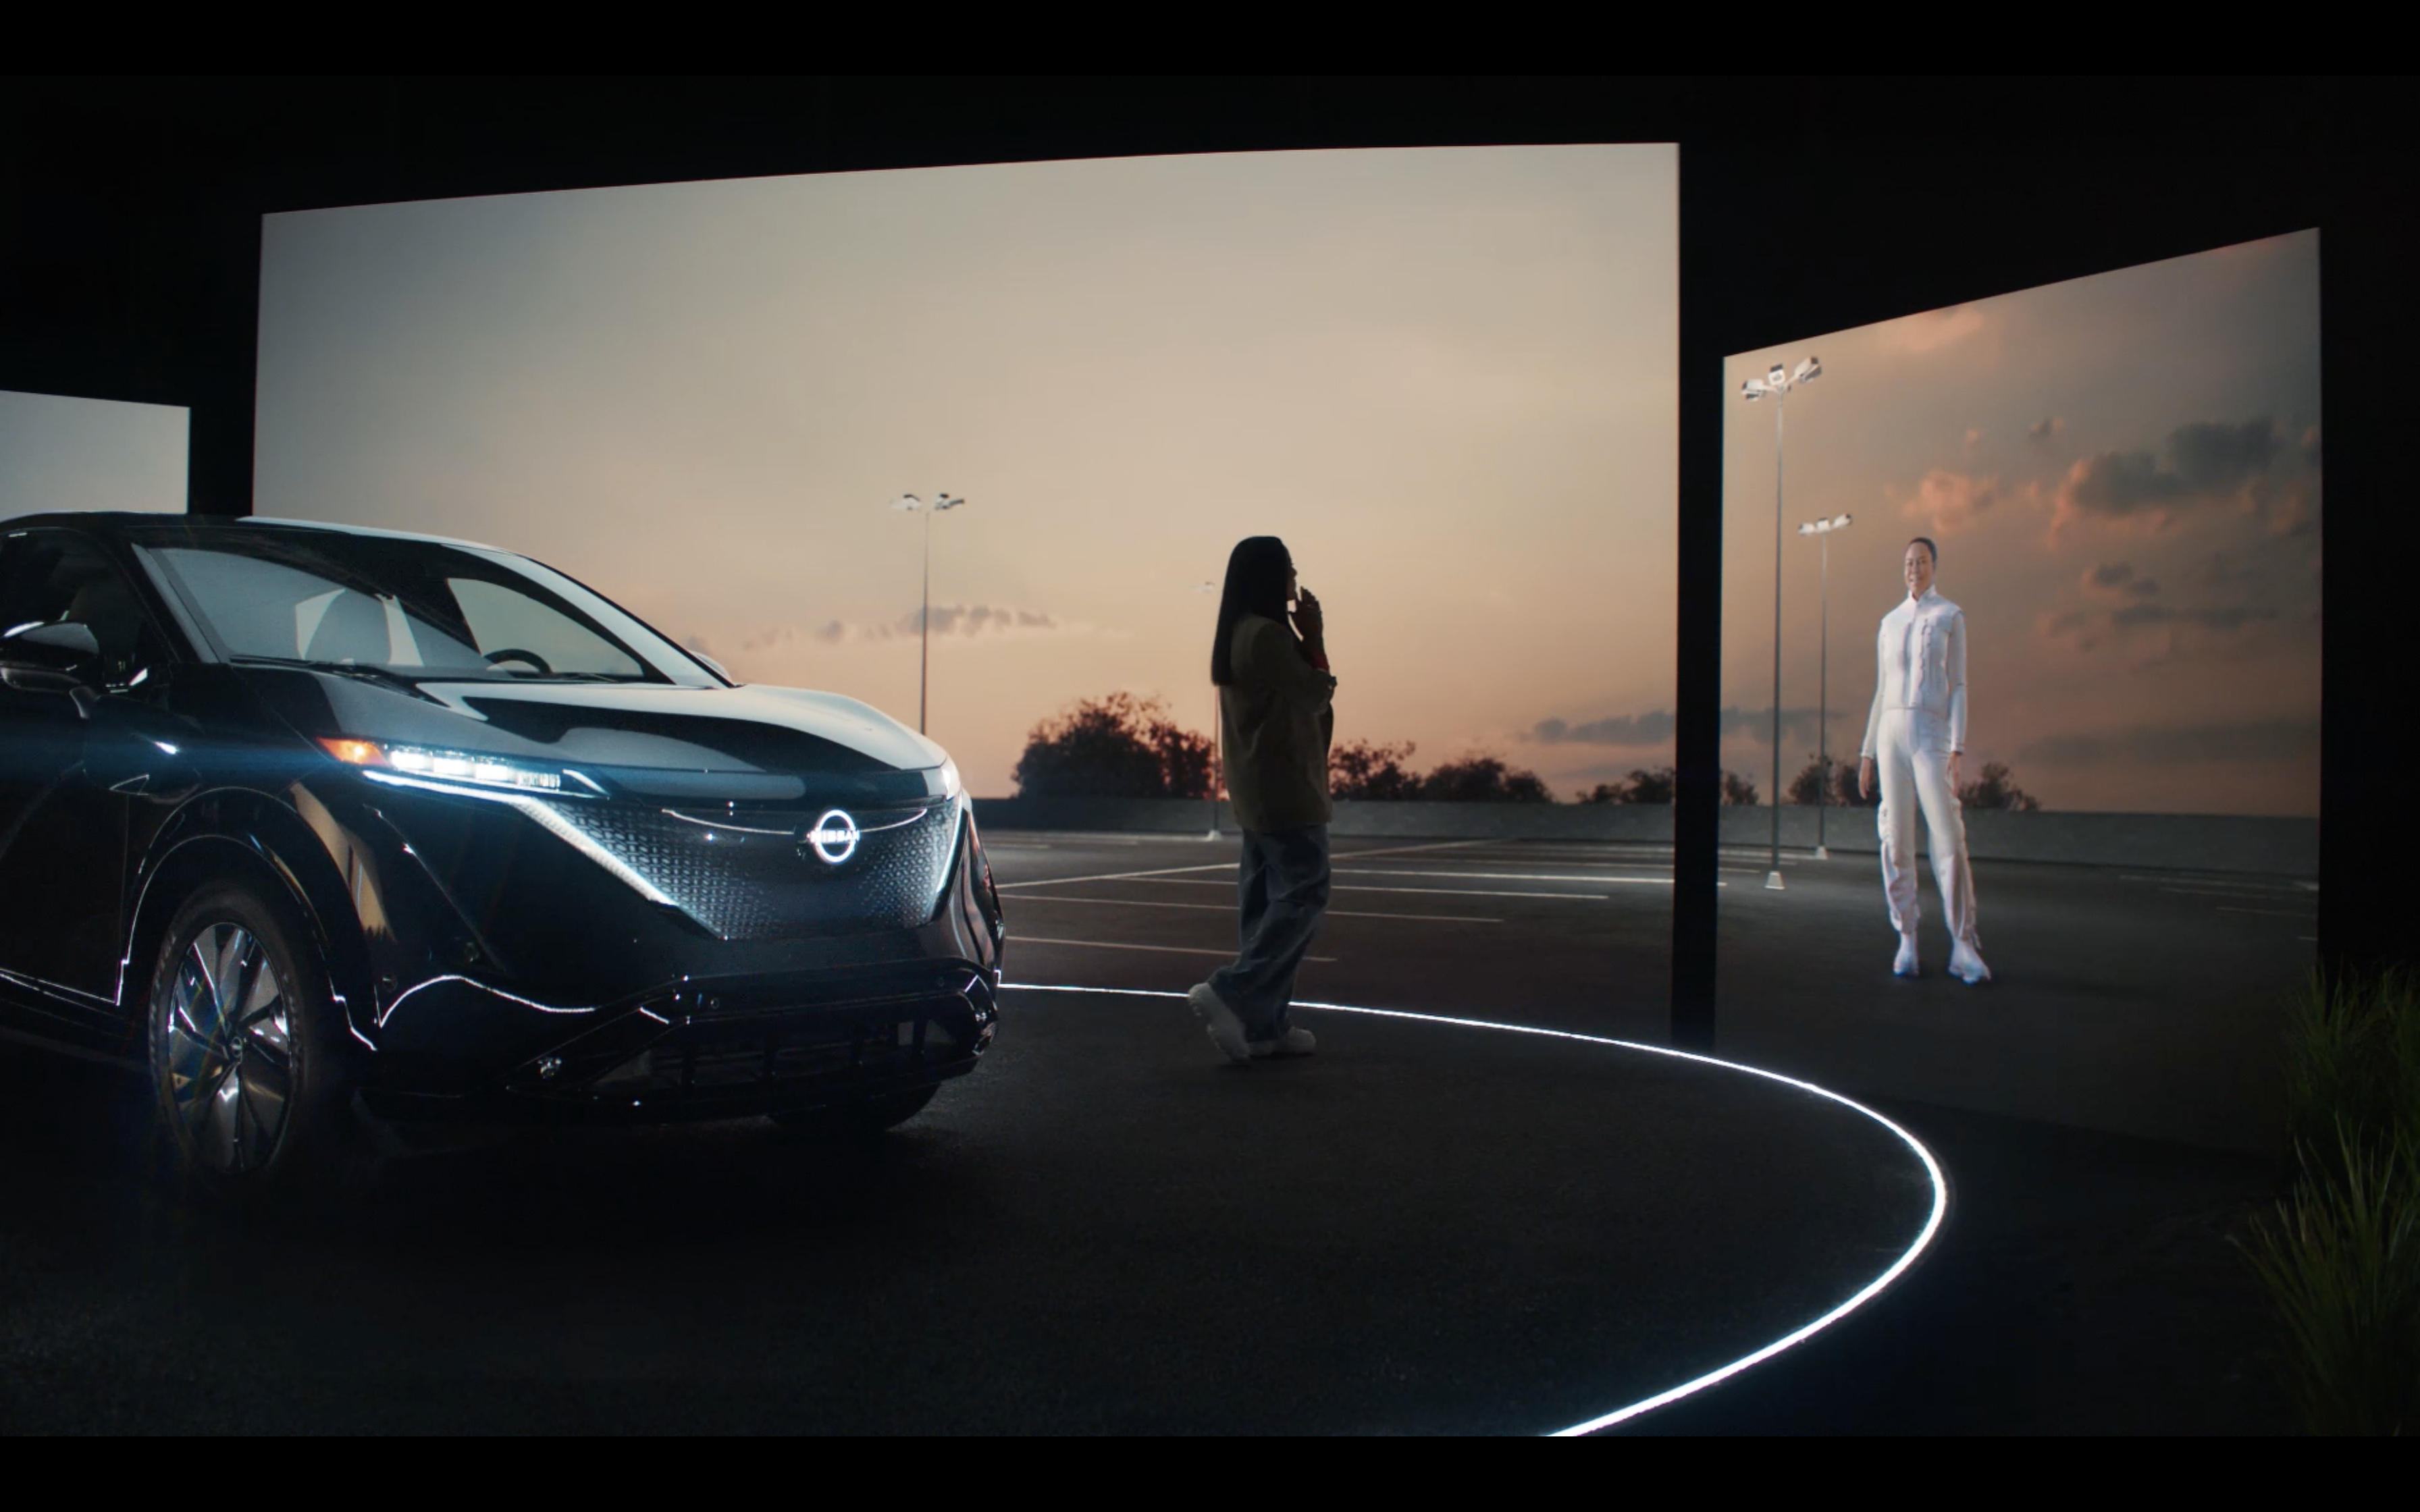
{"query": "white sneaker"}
(1966, 965)
(1226, 1029)
(1904, 964)
(1292, 1043)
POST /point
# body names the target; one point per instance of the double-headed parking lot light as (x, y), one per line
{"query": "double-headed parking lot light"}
(908, 504)
(1778, 382)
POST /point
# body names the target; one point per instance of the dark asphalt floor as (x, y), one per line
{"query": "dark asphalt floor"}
(2134, 1002)
(1425, 1229)
(1420, 1229)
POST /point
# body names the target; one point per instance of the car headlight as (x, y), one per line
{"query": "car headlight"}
(943, 781)
(469, 767)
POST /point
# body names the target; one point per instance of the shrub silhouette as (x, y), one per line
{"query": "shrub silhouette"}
(1483, 780)
(1117, 746)
(1995, 790)
(1663, 785)
(1362, 769)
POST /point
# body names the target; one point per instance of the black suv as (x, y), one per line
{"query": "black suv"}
(319, 822)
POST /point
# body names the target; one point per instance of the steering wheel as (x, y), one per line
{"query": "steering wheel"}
(517, 654)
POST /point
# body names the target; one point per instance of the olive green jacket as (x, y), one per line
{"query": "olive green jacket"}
(1276, 721)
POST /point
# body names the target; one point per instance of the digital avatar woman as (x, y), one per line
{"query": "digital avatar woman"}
(1274, 709)
(1916, 737)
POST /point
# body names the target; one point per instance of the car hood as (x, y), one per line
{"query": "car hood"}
(749, 743)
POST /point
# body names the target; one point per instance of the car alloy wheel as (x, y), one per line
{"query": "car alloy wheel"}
(230, 1050)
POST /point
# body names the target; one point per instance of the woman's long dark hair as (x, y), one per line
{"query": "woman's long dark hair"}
(1256, 584)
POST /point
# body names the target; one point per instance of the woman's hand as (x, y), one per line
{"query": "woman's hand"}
(1308, 621)
(1865, 777)
(1956, 766)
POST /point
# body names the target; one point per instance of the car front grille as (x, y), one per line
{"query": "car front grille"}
(748, 875)
(706, 1058)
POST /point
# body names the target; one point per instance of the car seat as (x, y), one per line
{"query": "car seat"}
(353, 629)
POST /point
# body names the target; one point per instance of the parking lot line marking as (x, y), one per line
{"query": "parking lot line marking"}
(1355, 887)
(1477, 893)
(1164, 949)
(1214, 866)
(1228, 908)
(1501, 876)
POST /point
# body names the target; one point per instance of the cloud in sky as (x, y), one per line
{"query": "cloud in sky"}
(1951, 501)
(2207, 462)
(2120, 580)
(2249, 740)
(2043, 431)
(1652, 728)
(1935, 330)
(961, 620)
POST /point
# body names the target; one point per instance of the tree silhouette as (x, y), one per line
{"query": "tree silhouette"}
(1810, 782)
(1360, 769)
(1118, 747)
(1483, 780)
(1640, 786)
(1996, 789)
(1662, 785)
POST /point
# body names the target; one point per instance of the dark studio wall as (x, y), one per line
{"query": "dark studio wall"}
(130, 233)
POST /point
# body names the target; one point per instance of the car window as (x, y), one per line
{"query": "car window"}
(502, 621)
(411, 607)
(56, 578)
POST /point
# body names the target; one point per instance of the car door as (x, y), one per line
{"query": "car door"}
(66, 788)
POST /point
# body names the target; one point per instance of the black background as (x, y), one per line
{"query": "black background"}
(130, 257)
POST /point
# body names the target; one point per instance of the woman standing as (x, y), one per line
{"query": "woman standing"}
(1276, 718)
(1916, 734)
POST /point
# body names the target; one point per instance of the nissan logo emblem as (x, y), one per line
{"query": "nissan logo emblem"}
(834, 836)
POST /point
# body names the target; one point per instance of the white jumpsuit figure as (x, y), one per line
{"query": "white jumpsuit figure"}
(1919, 718)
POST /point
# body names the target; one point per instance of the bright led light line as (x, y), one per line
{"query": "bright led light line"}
(1687, 1388)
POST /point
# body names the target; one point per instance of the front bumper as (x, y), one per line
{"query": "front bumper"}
(735, 1049)
(514, 978)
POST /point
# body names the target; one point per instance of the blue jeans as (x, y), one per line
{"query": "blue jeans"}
(1284, 895)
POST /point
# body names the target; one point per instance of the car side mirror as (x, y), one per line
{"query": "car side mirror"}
(67, 647)
(53, 658)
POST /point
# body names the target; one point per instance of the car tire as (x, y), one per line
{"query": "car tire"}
(863, 1116)
(247, 1056)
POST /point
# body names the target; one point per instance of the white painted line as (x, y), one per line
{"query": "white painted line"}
(1229, 909)
(1215, 866)
(2256, 885)
(1501, 876)
(1479, 892)
(1163, 950)
(1868, 1292)
(1442, 892)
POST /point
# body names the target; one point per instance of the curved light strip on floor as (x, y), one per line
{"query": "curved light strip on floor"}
(1622, 1414)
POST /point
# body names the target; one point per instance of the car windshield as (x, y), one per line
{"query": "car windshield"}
(407, 609)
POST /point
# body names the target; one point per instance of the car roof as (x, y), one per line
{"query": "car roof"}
(136, 520)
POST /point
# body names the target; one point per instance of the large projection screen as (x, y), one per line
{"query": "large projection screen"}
(61, 452)
(1443, 376)
(2120, 475)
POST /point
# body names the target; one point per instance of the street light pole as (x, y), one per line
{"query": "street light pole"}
(910, 503)
(1821, 529)
(1777, 382)
(1217, 720)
